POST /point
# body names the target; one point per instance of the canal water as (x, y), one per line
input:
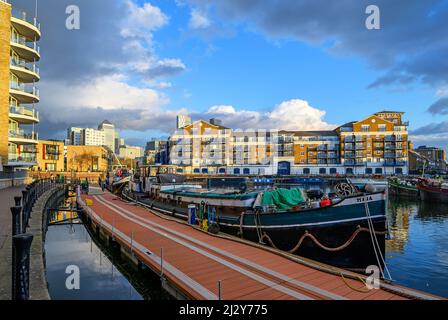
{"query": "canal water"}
(416, 255)
(103, 274)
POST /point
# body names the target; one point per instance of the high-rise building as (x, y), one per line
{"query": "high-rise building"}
(109, 134)
(19, 54)
(74, 136)
(92, 137)
(183, 121)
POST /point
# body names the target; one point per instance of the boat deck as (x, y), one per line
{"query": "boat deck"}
(194, 261)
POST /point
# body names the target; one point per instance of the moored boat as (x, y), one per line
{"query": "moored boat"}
(338, 233)
(403, 188)
(433, 191)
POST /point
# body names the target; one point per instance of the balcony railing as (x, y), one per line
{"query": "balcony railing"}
(22, 15)
(20, 134)
(23, 64)
(25, 42)
(27, 88)
(30, 112)
(25, 158)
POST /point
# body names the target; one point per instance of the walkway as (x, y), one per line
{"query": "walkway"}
(6, 202)
(194, 261)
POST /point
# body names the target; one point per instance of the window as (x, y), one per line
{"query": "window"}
(349, 171)
(365, 128)
(236, 171)
(333, 171)
(205, 170)
(196, 170)
(381, 127)
(369, 171)
(398, 170)
(322, 171)
(50, 152)
(379, 170)
(222, 170)
(306, 171)
(246, 171)
(50, 166)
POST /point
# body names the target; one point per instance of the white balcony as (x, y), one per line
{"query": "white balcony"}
(28, 50)
(20, 137)
(27, 72)
(24, 93)
(24, 115)
(25, 24)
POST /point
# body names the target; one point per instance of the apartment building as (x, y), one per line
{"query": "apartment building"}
(377, 144)
(19, 55)
(74, 136)
(50, 156)
(130, 152)
(109, 134)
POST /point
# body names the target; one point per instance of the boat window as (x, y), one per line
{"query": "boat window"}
(333, 171)
(306, 171)
(246, 171)
(204, 170)
(236, 171)
(349, 171)
(399, 170)
(222, 170)
(379, 170)
(369, 171)
(322, 171)
(196, 170)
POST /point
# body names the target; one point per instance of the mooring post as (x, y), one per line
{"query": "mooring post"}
(18, 201)
(21, 245)
(25, 202)
(16, 228)
(219, 290)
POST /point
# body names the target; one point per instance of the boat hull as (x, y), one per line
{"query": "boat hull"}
(358, 254)
(337, 235)
(432, 194)
(398, 190)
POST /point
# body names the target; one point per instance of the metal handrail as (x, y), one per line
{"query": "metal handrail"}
(30, 112)
(27, 88)
(25, 42)
(31, 66)
(23, 15)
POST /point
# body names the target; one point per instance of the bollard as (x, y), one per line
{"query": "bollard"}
(18, 201)
(21, 245)
(16, 229)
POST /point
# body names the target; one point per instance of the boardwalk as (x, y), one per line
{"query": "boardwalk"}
(194, 261)
(6, 202)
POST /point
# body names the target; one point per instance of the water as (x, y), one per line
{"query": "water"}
(417, 256)
(100, 279)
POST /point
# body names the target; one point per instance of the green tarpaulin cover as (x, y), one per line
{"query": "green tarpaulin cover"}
(282, 198)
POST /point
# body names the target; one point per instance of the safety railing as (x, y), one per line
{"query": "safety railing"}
(24, 111)
(21, 241)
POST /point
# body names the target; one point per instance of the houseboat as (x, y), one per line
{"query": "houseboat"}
(433, 191)
(337, 233)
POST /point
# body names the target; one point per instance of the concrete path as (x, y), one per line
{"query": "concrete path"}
(6, 202)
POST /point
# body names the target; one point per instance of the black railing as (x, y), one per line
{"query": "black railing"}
(21, 241)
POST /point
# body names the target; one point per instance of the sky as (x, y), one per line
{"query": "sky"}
(283, 64)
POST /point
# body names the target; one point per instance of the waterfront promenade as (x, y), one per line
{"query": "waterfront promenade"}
(195, 262)
(6, 202)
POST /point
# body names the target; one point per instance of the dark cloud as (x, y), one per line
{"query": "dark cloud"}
(411, 45)
(74, 55)
(439, 107)
(432, 128)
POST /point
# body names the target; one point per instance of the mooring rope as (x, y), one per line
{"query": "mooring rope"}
(318, 243)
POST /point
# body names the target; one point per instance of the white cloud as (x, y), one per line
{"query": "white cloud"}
(109, 92)
(198, 20)
(142, 21)
(289, 115)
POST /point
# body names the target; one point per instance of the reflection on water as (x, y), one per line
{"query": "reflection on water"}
(417, 254)
(99, 278)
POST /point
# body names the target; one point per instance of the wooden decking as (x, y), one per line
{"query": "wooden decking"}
(194, 262)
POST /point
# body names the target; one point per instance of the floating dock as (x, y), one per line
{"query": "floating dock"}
(197, 265)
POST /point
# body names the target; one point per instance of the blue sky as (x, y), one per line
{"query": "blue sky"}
(286, 64)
